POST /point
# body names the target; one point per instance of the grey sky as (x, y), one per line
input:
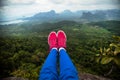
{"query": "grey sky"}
(16, 8)
(70, 4)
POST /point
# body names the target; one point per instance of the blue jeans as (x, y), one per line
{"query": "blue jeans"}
(67, 69)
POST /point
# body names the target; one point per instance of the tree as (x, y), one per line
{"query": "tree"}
(110, 54)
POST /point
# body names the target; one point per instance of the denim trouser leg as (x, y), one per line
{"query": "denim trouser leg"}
(49, 69)
(67, 69)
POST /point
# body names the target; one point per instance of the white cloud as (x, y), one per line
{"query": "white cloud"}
(68, 4)
(60, 5)
(86, 4)
(16, 8)
(18, 2)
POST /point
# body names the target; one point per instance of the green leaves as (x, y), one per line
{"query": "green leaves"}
(25, 52)
(27, 70)
(117, 51)
(117, 61)
(110, 54)
(106, 60)
(97, 55)
(98, 59)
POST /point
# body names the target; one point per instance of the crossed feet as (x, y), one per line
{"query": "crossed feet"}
(57, 40)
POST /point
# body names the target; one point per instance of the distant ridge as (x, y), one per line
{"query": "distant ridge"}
(82, 16)
(95, 15)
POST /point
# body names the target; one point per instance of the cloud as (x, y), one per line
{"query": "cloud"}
(16, 8)
(3, 3)
(60, 5)
(66, 3)
(15, 2)
(57, 1)
(74, 5)
(21, 1)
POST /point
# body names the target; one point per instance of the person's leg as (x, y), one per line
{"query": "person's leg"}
(49, 69)
(67, 69)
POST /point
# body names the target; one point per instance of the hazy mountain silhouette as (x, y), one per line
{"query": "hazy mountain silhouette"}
(95, 15)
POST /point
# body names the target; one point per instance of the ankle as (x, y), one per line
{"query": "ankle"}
(62, 48)
(54, 48)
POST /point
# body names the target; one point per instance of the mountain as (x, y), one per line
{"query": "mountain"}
(101, 15)
(50, 14)
(82, 16)
(44, 16)
(97, 16)
(79, 16)
(113, 14)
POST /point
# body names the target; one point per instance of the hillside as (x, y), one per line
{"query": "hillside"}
(24, 47)
(79, 16)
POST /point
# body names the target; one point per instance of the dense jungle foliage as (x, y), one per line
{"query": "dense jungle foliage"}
(93, 47)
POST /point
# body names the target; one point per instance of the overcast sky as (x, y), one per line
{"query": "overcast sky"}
(14, 8)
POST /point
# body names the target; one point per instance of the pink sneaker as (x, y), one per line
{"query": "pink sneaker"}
(52, 40)
(61, 39)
